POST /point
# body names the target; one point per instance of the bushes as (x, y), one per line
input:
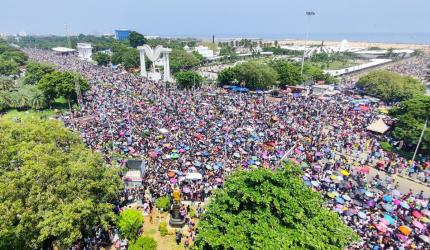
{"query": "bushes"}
(144, 243)
(163, 229)
(36, 71)
(101, 58)
(8, 67)
(163, 203)
(188, 79)
(390, 86)
(129, 222)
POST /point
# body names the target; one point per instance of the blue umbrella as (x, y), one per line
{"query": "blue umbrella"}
(390, 219)
(361, 215)
(388, 198)
(340, 200)
(308, 183)
(197, 164)
(404, 205)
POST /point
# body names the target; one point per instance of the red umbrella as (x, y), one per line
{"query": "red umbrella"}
(417, 214)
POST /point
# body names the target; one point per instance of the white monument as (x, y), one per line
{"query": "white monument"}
(85, 51)
(153, 55)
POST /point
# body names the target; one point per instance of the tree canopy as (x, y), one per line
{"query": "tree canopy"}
(36, 71)
(101, 58)
(62, 84)
(289, 72)
(136, 39)
(130, 221)
(188, 79)
(411, 115)
(262, 209)
(144, 243)
(52, 188)
(390, 86)
(252, 74)
(182, 60)
(8, 67)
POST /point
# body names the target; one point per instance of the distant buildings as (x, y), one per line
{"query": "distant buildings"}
(205, 52)
(122, 34)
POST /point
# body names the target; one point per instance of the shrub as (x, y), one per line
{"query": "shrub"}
(144, 243)
(163, 229)
(129, 223)
(188, 79)
(163, 203)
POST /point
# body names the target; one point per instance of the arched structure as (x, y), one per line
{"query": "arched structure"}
(153, 55)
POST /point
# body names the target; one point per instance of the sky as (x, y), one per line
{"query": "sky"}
(201, 18)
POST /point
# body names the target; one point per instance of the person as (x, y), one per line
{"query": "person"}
(178, 237)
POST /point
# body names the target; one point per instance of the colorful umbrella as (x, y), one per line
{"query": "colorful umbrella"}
(405, 230)
(362, 215)
(344, 172)
(404, 205)
(418, 225)
(388, 198)
(390, 219)
(417, 214)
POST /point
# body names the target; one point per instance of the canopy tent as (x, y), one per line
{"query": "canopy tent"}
(63, 50)
(378, 126)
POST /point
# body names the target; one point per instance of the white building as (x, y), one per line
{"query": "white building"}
(205, 52)
(85, 51)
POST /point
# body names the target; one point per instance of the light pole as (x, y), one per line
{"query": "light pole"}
(419, 142)
(308, 14)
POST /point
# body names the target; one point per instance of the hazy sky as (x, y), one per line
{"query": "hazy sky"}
(220, 17)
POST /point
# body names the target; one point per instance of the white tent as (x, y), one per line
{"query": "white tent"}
(378, 126)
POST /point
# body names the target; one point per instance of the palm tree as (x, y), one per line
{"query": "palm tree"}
(37, 100)
(4, 100)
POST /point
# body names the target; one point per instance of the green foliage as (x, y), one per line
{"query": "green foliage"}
(163, 203)
(131, 59)
(8, 67)
(52, 188)
(101, 58)
(289, 73)
(11, 54)
(411, 115)
(188, 79)
(226, 76)
(163, 229)
(262, 209)
(6, 83)
(255, 75)
(390, 86)
(313, 73)
(62, 84)
(130, 221)
(136, 39)
(280, 51)
(36, 71)
(182, 60)
(144, 243)
(23, 97)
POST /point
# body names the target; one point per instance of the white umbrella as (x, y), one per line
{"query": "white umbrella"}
(193, 176)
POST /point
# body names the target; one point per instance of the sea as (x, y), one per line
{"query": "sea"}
(401, 38)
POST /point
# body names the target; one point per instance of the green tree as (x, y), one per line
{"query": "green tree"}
(163, 203)
(136, 39)
(411, 115)
(8, 67)
(289, 73)
(101, 58)
(390, 86)
(226, 76)
(130, 221)
(52, 188)
(144, 243)
(36, 71)
(181, 60)
(188, 79)
(62, 84)
(131, 59)
(264, 209)
(256, 75)
(6, 83)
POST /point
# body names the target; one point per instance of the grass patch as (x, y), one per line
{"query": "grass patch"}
(43, 114)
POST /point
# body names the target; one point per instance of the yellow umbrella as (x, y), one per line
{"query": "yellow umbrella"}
(333, 177)
(331, 195)
(425, 219)
(344, 172)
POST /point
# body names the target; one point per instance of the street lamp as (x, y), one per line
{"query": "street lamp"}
(308, 14)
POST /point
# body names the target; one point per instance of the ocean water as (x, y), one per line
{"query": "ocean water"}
(406, 38)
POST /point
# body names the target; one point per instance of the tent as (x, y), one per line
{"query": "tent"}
(378, 126)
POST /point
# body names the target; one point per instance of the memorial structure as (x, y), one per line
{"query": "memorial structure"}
(153, 55)
(175, 218)
(85, 51)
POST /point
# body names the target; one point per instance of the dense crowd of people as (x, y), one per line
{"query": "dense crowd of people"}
(417, 67)
(194, 138)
